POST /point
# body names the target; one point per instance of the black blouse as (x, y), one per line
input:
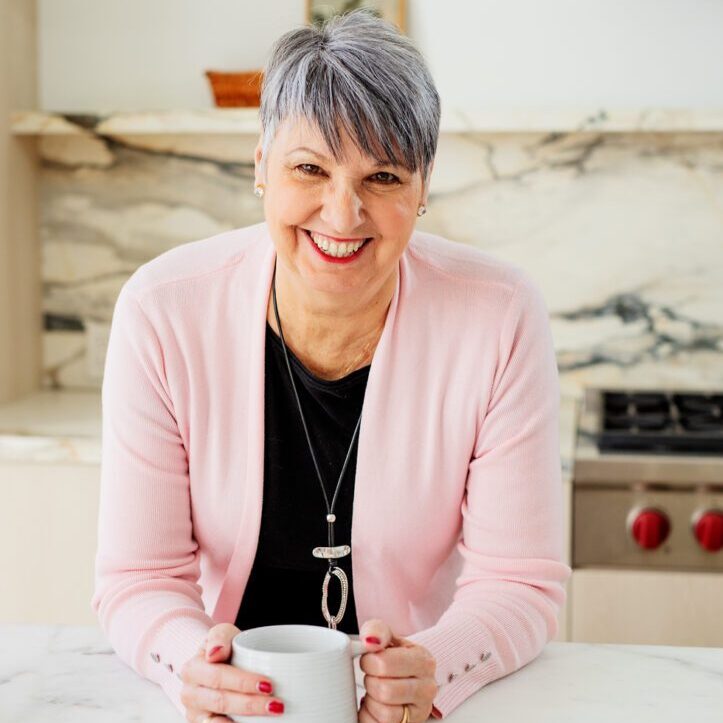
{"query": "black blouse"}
(285, 582)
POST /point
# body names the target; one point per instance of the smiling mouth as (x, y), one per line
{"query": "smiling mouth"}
(335, 249)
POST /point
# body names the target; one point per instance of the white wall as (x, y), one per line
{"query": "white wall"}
(574, 53)
(150, 54)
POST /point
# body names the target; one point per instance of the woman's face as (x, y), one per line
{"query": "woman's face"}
(310, 197)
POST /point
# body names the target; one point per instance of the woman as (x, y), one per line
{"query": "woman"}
(234, 445)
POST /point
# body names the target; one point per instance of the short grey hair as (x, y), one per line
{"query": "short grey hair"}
(355, 72)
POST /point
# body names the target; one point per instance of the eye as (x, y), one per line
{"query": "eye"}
(386, 178)
(308, 169)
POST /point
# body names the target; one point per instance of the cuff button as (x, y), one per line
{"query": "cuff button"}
(467, 668)
(155, 657)
(484, 656)
(169, 666)
(451, 677)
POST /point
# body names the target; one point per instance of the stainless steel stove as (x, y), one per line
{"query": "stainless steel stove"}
(647, 518)
(648, 480)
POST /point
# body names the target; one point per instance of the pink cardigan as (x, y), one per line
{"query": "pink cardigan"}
(457, 528)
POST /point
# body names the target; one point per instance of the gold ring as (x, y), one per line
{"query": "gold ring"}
(405, 717)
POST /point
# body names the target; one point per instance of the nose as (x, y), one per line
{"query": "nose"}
(342, 208)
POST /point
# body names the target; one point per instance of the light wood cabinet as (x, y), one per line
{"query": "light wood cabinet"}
(20, 248)
(646, 607)
(48, 532)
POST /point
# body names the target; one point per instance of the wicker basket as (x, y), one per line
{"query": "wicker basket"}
(236, 90)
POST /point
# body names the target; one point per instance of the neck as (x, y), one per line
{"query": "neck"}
(332, 335)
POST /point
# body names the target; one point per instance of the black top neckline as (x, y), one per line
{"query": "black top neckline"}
(293, 517)
(350, 379)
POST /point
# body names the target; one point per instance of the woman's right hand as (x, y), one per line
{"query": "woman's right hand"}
(211, 687)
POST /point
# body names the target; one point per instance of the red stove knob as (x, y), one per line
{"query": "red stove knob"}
(649, 527)
(708, 529)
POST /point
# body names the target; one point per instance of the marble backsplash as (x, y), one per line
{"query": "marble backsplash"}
(623, 232)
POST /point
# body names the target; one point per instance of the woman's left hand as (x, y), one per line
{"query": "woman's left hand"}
(397, 672)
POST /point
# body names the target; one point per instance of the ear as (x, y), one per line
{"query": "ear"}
(258, 169)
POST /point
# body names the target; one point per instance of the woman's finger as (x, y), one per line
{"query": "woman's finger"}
(219, 688)
(222, 676)
(398, 691)
(227, 702)
(407, 662)
(200, 716)
(218, 641)
(381, 712)
(392, 691)
(376, 633)
(365, 716)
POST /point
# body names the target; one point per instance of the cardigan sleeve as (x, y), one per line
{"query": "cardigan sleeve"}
(511, 585)
(146, 595)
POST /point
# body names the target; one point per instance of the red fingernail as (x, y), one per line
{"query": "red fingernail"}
(214, 650)
(264, 686)
(275, 706)
(372, 640)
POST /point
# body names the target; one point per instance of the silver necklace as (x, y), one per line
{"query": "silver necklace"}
(330, 552)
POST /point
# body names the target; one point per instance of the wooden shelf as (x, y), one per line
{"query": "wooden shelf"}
(239, 121)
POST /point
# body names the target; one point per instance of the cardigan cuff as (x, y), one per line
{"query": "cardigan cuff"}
(178, 638)
(466, 655)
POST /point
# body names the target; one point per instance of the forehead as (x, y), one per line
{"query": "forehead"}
(299, 133)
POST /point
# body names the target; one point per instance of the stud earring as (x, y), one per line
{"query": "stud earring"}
(259, 191)
(421, 210)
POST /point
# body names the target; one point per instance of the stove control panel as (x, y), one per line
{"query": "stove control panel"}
(648, 527)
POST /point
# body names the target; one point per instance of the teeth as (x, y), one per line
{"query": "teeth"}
(332, 248)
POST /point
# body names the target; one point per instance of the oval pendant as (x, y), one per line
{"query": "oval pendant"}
(334, 620)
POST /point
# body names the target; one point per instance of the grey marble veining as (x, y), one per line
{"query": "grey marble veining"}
(70, 674)
(623, 232)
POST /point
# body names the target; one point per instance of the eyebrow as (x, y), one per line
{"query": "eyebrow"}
(324, 158)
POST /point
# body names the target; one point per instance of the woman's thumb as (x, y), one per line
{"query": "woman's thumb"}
(218, 642)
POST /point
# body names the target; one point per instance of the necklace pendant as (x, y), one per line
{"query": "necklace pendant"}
(334, 620)
(331, 553)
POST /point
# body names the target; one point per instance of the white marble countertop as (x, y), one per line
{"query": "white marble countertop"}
(69, 674)
(64, 427)
(233, 121)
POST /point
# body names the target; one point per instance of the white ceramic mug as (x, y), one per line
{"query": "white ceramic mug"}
(310, 667)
